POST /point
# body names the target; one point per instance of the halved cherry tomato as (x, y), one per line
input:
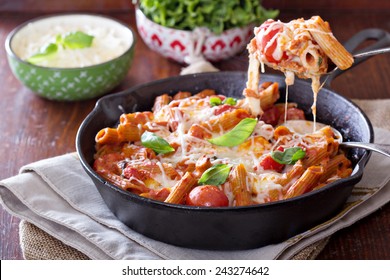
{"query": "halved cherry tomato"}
(268, 51)
(207, 195)
(268, 163)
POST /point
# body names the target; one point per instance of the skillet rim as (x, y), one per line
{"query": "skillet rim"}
(351, 180)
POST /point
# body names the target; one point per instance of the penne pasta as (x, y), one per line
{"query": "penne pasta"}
(160, 102)
(181, 189)
(239, 185)
(226, 121)
(306, 182)
(107, 136)
(322, 34)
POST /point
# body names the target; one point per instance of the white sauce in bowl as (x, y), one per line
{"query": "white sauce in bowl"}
(111, 40)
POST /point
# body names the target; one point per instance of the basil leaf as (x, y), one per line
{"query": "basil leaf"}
(288, 156)
(45, 53)
(215, 101)
(215, 175)
(237, 135)
(75, 40)
(230, 101)
(156, 143)
(319, 61)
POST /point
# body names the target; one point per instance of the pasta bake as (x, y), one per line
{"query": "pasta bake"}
(212, 150)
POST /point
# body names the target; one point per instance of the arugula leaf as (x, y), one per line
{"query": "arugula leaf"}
(237, 135)
(45, 53)
(156, 143)
(75, 40)
(216, 15)
(215, 175)
(289, 155)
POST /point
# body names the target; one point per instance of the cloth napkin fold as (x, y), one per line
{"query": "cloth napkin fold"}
(57, 196)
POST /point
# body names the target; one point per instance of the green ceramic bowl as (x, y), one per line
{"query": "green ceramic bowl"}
(72, 83)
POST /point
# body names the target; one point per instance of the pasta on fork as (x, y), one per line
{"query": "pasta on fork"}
(300, 48)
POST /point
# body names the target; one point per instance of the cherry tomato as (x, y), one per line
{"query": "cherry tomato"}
(267, 37)
(271, 116)
(268, 163)
(207, 195)
(223, 108)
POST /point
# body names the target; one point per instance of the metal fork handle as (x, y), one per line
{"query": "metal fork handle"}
(373, 52)
(383, 149)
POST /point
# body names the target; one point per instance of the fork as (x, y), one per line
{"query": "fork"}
(363, 54)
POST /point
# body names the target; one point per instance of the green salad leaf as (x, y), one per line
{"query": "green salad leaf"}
(216, 15)
(237, 135)
(289, 155)
(156, 143)
(215, 175)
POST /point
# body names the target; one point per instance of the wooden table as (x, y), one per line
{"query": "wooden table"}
(33, 128)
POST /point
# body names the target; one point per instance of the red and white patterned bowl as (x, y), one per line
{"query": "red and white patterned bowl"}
(175, 43)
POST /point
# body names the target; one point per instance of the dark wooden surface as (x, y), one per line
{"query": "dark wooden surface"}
(33, 128)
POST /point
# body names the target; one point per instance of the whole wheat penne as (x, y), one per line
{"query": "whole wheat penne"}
(238, 181)
(295, 172)
(136, 118)
(226, 120)
(306, 182)
(181, 95)
(107, 136)
(314, 155)
(334, 165)
(130, 132)
(160, 102)
(181, 189)
(204, 93)
(322, 34)
(269, 93)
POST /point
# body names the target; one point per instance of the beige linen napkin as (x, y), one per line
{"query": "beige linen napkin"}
(58, 197)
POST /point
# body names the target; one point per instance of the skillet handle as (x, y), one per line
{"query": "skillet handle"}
(382, 38)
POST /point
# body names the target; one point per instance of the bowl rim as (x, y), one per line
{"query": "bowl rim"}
(352, 179)
(10, 52)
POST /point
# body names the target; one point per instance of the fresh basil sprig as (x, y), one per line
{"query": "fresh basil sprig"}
(237, 135)
(289, 155)
(215, 175)
(75, 40)
(230, 101)
(45, 53)
(156, 143)
(72, 40)
(215, 101)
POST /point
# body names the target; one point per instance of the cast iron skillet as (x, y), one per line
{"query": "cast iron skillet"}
(228, 228)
